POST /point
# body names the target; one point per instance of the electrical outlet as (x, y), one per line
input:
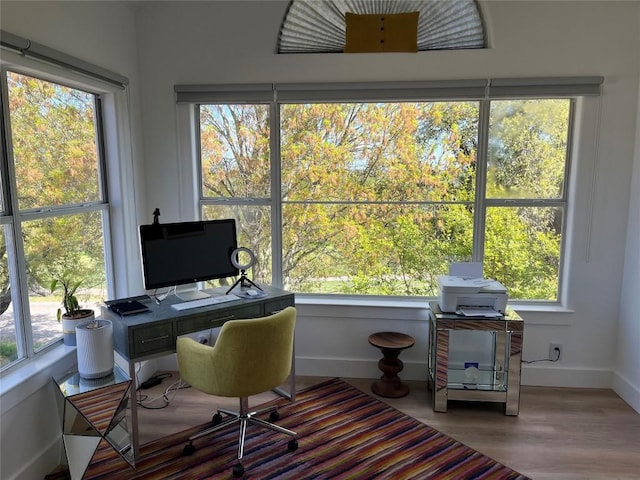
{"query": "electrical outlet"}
(555, 351)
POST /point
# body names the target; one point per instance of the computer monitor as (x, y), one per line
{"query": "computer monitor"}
(175, 254)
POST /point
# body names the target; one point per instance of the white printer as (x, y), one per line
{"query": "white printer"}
(459, 292)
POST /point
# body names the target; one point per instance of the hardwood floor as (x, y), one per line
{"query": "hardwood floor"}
(560, 433)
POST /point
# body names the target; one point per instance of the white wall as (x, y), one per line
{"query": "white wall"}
(101, 33)
(234, 42)
(627, 365)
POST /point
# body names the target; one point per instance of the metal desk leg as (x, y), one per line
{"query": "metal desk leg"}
(291, 394)
(441, 382)
(513, 381)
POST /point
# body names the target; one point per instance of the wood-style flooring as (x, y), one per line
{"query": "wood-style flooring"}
(560, 433)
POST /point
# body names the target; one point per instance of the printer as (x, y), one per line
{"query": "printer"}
(458, 292)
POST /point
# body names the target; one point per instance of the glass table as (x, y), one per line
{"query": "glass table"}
(498, 382)
(93, 412)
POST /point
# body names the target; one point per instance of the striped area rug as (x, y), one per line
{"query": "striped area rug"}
(343, 433)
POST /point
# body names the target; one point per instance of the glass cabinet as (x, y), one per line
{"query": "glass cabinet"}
(497, 382)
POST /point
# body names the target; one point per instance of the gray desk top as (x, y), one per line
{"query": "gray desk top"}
(163, 311)
(152, 333)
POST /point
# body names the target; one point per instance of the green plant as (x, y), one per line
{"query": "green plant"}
(8, 352)
(69, 300)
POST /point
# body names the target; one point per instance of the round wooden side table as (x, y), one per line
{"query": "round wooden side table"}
(391, 344)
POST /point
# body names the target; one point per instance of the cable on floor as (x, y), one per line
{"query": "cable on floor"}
(145, 401)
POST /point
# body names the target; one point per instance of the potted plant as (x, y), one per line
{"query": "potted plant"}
(73, 313)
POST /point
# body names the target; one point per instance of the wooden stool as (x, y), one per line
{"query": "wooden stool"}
(391, 344)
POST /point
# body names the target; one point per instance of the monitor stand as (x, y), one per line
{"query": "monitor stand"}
(188, 295)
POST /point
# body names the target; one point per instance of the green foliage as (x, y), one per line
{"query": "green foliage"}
(378, 198)
(67, 245)
(8, 352)
(527, 149)
(529, 272)
(56, 164)
(54, 143)
(394, 157)
(69, 300)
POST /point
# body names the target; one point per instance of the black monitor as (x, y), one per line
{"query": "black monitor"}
(187, 252)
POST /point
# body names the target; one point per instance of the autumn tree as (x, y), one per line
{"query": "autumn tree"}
(55, 160)
(378, 198)
(527, 160)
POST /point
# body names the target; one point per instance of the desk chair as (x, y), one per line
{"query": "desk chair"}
(249, 357)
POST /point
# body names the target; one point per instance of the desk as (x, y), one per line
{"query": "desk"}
(153, 334)
(499, 383)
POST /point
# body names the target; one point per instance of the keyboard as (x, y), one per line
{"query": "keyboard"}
(204, 302)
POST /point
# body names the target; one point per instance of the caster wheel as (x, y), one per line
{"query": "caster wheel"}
(292, 445)
(274, 416)
(188, 449)
(238, 470)
(216, 419)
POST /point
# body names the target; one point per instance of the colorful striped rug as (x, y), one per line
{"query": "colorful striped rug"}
(343, 433)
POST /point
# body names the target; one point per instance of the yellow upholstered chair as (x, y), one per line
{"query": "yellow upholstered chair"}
(249, 357)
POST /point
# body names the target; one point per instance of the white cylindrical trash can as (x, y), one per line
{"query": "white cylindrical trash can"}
(95, 348)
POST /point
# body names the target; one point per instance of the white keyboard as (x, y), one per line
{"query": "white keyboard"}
(204, 302)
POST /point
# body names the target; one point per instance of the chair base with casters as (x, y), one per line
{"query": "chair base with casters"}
(244, 417)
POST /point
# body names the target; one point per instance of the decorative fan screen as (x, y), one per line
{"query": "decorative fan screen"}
(318, 26)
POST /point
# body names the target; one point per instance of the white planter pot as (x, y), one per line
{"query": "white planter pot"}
(95, 348)
(69, 326)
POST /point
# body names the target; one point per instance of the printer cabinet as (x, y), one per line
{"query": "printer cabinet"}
(499, 383)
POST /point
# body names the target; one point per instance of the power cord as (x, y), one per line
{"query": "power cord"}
(161, 298)
(150, 403)
(556, 350)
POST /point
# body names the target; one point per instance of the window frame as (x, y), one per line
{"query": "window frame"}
(571, 89)
(563, 202)
(11, 215)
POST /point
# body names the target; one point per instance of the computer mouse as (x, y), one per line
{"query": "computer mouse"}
(252, 293)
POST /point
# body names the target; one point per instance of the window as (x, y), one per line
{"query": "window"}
(526, 195)
(54, 212)
(377, 197)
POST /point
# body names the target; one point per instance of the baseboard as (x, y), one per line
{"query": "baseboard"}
(626, 390)
(541, 376)
(348, 368)
(531, 375)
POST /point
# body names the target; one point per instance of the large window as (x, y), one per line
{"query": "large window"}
(54, 211)
(526, 195)
(378, 197)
